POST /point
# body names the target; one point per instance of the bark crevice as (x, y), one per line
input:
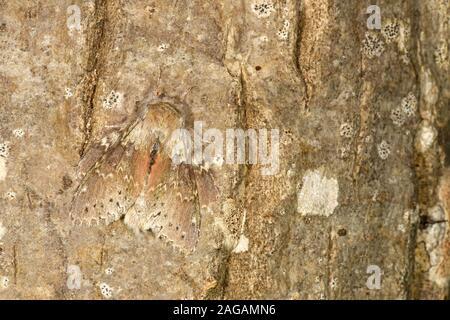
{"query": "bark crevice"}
(97, 54)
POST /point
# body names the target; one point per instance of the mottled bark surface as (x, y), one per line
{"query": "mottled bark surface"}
(364, 156)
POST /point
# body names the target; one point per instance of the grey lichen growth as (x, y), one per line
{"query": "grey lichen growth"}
(384, 150)
(263, 8)
(4, 149)
(409, 105)
(106, 290)
(113, 100)
(18, 133)
(407, 109)
(373, 46)
(398, 116)
(391, 31)
(4, 153)
(346, 130)
(10, 195)
(283, 33)
(109, 271)
(163, 47)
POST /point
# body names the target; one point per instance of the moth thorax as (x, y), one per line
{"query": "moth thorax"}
(141, 137)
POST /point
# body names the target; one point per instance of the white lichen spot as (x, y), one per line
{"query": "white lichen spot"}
(105, 290)
(425, 137)
(242, 245)
(10, 195)
(2, 231)
(283, 33)
(372, 45)
(113, 100)
(109, 271)
(318, 195)
(409, 105)
(18, 133)
(163, 47)
(384, 150)
(4, 282)
(407, 109)
(4, 149)
(68, 93)
(74, 278)
(346, 130)
(390, 31)
(4, 153)
(263, 8)
(398, 117)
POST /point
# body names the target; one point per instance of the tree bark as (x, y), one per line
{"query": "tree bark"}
(361, 187)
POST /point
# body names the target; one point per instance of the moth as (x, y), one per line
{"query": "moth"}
(130, 174)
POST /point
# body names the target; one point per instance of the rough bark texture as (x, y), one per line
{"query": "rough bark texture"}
(364, 121)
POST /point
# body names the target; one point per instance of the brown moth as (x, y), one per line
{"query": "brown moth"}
(130, 173)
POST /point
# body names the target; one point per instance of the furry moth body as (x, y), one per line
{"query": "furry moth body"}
(130, 173)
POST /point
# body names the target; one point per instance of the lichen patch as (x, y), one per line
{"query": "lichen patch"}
(263, 8)
(4, 282)
(106, 290)
(372, 45)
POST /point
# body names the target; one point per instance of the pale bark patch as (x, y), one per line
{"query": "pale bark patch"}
(318, 195)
